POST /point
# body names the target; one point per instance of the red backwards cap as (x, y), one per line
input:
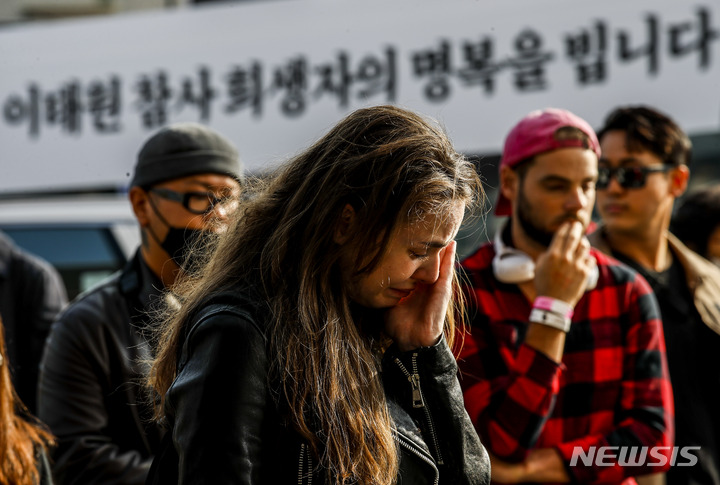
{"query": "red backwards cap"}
(536, 133)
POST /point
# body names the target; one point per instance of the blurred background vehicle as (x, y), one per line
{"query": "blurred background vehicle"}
(86, 237)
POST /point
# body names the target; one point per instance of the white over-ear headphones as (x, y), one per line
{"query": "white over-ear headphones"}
(513, 266)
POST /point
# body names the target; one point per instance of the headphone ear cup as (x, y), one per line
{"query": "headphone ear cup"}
(593, 277)
(513, 267)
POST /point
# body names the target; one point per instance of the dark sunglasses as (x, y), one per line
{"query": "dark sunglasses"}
(627, 177)
(200, 203)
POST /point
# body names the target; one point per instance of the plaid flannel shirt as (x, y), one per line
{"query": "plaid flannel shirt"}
(612, 388)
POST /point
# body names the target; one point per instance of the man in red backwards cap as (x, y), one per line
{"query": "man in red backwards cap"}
(563, 368)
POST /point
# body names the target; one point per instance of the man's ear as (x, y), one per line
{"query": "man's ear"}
(140, 202)
(509, 183)
(679, 177)
(344, 225)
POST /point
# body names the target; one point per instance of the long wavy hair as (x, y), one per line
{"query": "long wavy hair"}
(21, 435)
(393, 167)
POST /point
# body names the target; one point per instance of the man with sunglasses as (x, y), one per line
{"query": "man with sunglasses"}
(564, 356)
(186, 182)
(642, 171)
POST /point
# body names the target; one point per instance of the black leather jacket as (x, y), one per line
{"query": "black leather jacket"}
(90, 392)
(226, 428)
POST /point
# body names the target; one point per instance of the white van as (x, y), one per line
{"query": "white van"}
(86, 237)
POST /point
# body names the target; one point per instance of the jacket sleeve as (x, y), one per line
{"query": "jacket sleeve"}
(46, 297)
(218, 402)
(447, 429)
(645, 408)
(74, 382)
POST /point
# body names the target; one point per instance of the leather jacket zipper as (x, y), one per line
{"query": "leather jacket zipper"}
(404, 443)
(419, 401)
(305, 458)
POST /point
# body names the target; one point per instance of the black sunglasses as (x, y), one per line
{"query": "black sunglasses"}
(200, 203)
(627, 177)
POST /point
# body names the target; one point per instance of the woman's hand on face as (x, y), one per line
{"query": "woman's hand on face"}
(418, 320)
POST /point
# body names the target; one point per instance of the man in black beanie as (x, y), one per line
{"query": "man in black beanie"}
(186, 182)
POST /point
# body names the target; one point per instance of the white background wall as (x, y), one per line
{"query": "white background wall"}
(93, 72)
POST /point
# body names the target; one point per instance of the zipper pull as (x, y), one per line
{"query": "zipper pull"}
(417, 397)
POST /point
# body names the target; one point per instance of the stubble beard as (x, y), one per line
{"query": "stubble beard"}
(538, 234)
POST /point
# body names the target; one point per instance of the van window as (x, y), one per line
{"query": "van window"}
(82, 255)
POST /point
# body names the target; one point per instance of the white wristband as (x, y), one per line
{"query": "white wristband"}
(553, 305)
(550, 319)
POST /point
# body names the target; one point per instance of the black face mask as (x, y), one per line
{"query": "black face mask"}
(186, 246)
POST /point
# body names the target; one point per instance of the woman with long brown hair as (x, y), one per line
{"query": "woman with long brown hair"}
(312, 347)
(24, 441)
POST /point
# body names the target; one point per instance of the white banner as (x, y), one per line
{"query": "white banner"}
(79, 97)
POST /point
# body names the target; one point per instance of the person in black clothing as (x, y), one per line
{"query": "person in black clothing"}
(642, 170)
(186, 182)
(696, 222)
(31, 296)
(312, 348)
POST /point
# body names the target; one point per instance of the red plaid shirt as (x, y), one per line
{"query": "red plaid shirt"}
(612, 388)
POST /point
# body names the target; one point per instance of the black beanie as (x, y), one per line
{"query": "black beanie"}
(183, 149)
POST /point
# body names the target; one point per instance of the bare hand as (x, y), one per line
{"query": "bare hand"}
(504, 472)
(562, 271)
(419, 319)
(541, 466)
